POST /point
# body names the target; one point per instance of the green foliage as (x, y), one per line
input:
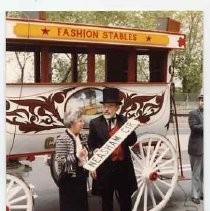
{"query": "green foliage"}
(61, 67)
(188, 63)
(14, 14)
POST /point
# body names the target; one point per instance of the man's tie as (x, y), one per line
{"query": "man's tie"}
(111, 121)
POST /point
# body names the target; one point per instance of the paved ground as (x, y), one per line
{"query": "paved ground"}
(48, 192)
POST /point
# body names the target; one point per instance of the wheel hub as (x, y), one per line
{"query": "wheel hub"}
(153, 176)
(149, 174)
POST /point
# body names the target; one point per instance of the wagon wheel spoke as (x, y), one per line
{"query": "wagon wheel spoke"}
(145, 198)
(139, 195)
(164, 183)
(147, 150)
(139, 180)
(18, 207)
(166, 172)
(142, 153)
(18, 199)
(155, 152)
(14, 191)
(158, 190)
(10, 185)
(152, 196)
(160, 157)
(137, 159)
(164, 164)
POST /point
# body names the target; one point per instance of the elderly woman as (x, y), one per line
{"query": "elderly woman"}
(71, 156)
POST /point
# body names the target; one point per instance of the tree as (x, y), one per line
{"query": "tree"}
(188, 63)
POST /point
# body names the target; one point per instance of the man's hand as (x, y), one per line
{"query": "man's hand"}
(95, 150)
(93, 174)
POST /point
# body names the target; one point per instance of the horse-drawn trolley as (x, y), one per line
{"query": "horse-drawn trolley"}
(59, 65)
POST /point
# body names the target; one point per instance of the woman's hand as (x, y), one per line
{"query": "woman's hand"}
(83, 153)
(83, 156)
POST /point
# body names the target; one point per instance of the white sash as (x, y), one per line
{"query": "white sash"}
(101, 155)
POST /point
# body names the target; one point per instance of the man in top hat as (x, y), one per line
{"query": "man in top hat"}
(116, 174)
(195, 150)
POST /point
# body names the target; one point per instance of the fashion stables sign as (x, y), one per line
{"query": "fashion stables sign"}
(103, 153)
(93, 34)
(87, 33)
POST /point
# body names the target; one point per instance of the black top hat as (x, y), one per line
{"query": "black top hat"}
(111, 95)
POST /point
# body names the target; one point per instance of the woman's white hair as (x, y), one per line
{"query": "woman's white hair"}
(72, 115)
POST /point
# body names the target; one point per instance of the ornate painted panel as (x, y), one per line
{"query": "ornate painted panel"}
(34, 113)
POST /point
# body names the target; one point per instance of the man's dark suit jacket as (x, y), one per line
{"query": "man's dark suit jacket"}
(195, 145)
(98, 135)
